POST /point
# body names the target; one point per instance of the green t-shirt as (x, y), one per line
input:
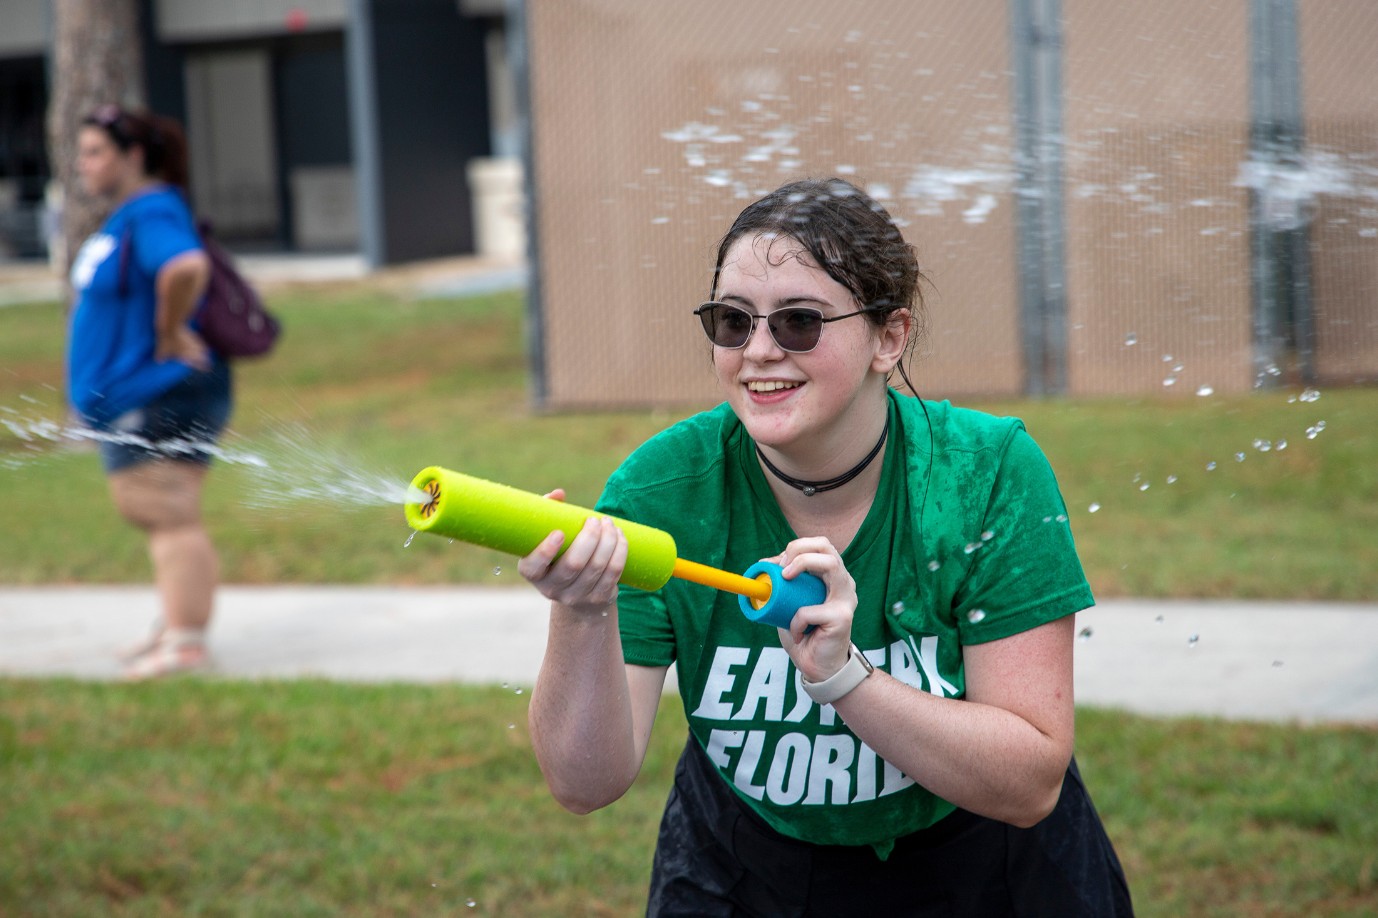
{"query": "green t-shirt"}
(967, 541)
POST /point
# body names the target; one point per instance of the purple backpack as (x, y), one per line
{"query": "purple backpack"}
(232, 318)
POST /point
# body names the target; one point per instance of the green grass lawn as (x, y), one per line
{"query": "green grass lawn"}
(369, 386)
(312, 798)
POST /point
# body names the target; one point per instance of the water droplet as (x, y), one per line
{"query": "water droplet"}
(1144, 487)
(1310, 395)
(1315, 429)
(897, 608)
(1170, 381)
(1084, 635)
(1238, 457)
(971, 547)
(497, 571)
(1167, 358)
(1210, 466)
(1204, 391)
(470, 902)
(1191, 641)
(976, 615)
(1093, 508)
(1061, 517)
(407, 544)
(1172, 479)
(1047, 519)
(987, 535)
(1280, 445)
(511, 726)
(1263, 446)
(1131, 339)
(519, 691)
(934, 564)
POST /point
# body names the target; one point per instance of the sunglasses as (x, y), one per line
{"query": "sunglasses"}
(110, 117)
(795, 328)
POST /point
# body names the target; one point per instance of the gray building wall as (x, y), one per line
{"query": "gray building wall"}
(422, 67)
(393, 184)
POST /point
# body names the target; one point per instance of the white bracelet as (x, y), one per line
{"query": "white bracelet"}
(852, 674)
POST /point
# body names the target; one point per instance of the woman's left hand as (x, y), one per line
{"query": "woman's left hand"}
(185, 345)
(824, 650)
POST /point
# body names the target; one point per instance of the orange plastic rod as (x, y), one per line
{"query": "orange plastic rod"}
(758, 590)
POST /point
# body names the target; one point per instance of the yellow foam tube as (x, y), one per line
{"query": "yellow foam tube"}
(515, 522)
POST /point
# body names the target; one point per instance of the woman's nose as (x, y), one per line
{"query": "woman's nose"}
(761, 343)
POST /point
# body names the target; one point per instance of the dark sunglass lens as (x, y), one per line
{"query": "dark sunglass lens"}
(730, 326)
(796, 329)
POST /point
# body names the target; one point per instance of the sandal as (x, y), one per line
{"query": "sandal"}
(169, 658)
(131, 652)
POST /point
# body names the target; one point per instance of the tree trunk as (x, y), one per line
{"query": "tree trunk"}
(97, 58)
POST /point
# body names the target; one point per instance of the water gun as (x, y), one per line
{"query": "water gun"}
(513, 521)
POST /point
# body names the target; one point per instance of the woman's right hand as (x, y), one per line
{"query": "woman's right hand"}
(184, 344)
(584, 577)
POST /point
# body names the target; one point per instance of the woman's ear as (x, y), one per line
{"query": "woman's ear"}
(894, 338)
(137, 158)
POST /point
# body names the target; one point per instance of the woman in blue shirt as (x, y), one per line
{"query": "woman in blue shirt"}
(140, 376)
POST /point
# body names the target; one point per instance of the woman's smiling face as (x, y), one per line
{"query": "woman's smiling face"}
(789, 399)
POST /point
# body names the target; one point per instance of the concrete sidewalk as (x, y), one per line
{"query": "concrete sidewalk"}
(1307, 662)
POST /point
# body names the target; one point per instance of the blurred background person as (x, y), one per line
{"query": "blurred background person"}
(139, 373)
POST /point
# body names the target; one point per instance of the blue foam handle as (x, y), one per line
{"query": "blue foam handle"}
(786, 596)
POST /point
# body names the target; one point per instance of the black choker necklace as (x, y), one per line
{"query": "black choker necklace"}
(810, 488)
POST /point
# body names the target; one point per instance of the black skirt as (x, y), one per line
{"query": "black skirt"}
(715, 857)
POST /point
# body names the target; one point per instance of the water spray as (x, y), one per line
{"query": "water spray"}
(514, 522)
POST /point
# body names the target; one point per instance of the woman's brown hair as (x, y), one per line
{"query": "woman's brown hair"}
(161, 138)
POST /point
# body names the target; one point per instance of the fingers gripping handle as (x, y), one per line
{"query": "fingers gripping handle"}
(786, 596)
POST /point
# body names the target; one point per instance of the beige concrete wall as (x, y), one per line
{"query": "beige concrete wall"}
(1157, 115)
(1339, 77)
(655, 123)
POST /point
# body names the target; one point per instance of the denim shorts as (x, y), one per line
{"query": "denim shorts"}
(183, 423)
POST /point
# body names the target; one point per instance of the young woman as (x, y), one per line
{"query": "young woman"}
(905, 747)
(139, 373)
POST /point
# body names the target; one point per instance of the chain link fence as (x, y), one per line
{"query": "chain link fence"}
(1082, 181)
